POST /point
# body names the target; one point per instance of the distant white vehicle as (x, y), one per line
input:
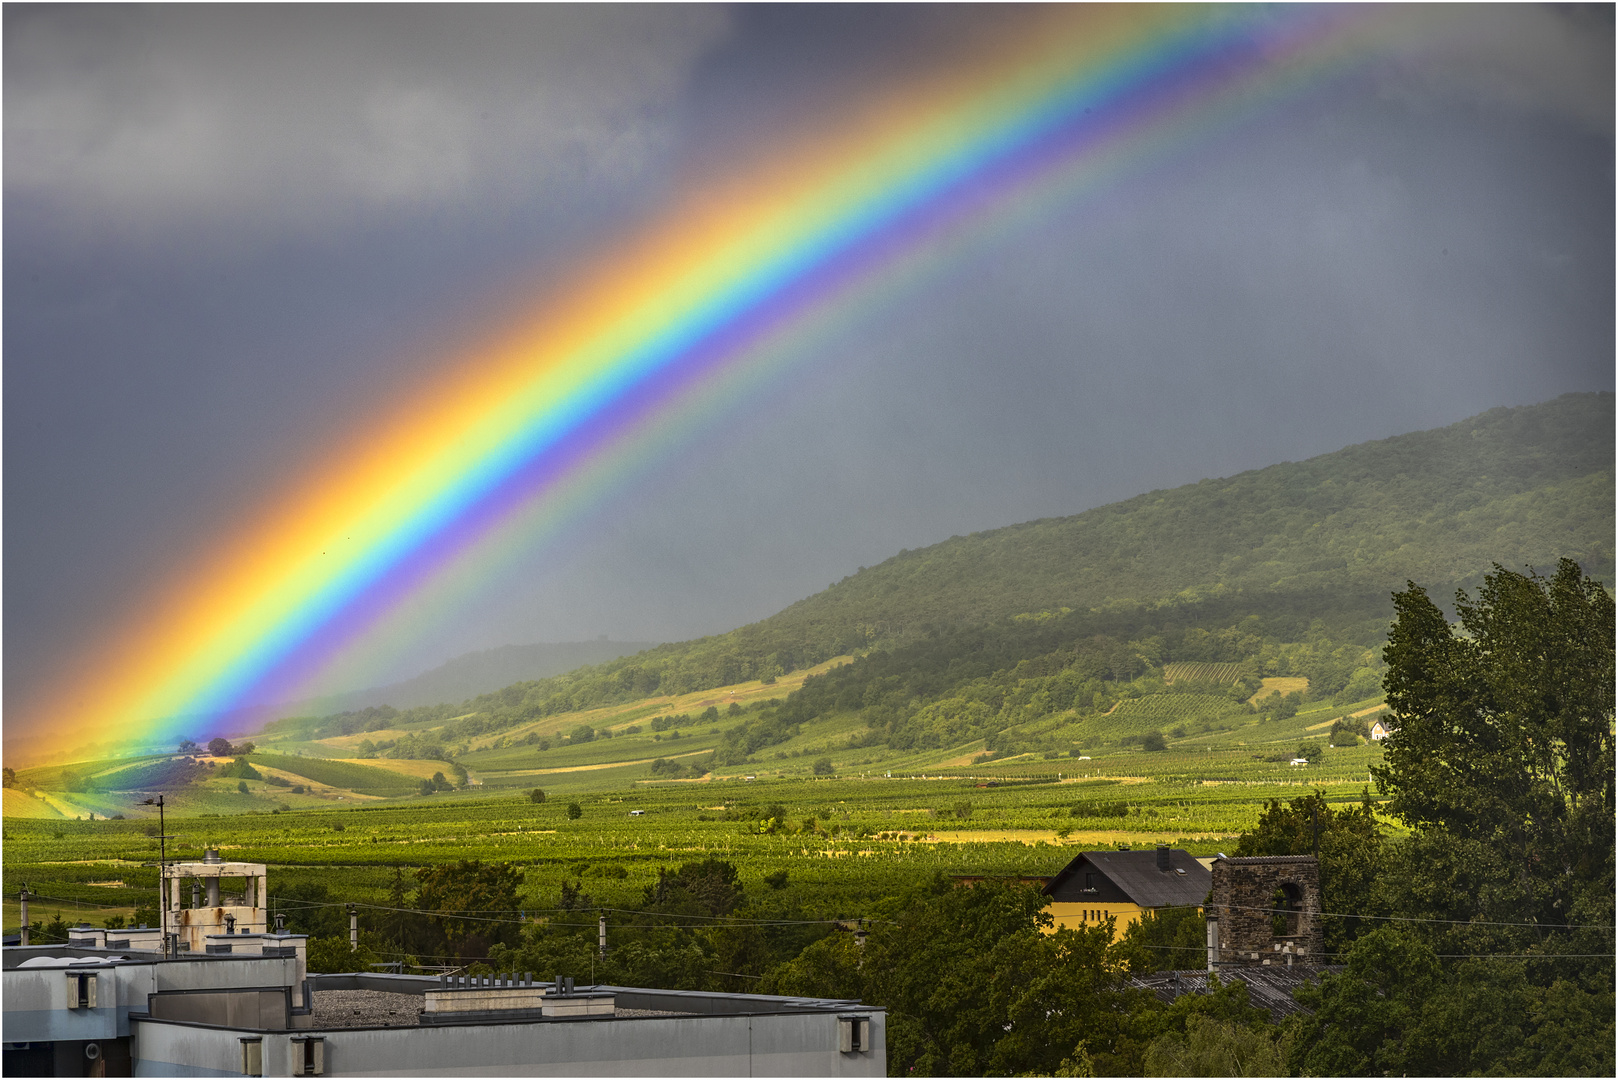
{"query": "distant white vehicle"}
(1300, 761)
(1084, 758)
(636, 813)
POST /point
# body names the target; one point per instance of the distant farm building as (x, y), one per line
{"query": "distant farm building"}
(1126, 886)
(1380, 730)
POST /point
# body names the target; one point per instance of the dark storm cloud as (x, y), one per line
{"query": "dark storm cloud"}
(303, 114)
(1531, 59)
(226, 228)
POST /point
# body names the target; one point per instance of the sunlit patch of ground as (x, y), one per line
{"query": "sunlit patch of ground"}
(600, 765)
(419, 768)
(1285, 684)
(22, 804)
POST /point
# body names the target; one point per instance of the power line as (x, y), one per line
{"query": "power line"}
(725, 919)
(1396, 918)
(32, 895)
(1200, 949)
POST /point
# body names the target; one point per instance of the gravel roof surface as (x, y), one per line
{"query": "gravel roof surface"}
(378, 1008)
(366, 1008)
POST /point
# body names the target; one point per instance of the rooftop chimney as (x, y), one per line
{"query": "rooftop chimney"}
(211, 855)
(1163, 857)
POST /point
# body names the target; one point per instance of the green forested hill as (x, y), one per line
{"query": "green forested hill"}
(1309, 549)
(1515, 486)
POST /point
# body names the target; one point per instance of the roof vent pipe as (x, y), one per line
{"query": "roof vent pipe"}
(211, 855)
(1163, 857)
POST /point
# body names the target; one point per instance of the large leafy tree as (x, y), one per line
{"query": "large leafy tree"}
(974, 987)
(1499, 957)
(1502, 756)
(711, 887)
(472, 903)
(1348, 842)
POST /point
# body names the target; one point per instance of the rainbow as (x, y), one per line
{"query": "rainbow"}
(656, 332)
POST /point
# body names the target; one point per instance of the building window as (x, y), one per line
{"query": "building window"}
(81, 990)
(252, 1057)
(308, 1057)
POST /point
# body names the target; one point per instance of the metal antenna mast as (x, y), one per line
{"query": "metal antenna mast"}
(162, 873)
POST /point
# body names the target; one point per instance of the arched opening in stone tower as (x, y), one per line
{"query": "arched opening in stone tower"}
(1286, 910)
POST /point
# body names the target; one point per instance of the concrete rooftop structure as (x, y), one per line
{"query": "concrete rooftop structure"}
(78, 1011)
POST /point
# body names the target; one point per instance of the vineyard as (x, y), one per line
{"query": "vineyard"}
(1184, 671)
(348, 775)
(839, 840)
(1167, 707)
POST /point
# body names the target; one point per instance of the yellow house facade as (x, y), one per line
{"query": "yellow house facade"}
(1125, 886)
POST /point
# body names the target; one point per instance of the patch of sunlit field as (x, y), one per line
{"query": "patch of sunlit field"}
(1284, 684)
(618, 717)
(419, 769)
(25, 804)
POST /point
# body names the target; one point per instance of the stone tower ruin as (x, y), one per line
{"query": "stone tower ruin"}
(1265, 910)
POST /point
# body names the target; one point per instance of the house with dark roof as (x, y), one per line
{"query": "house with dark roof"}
(1125, 886)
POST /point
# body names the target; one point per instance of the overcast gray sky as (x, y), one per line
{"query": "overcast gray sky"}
(227, 227)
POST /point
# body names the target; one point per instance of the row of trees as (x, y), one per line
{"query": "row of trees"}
(218, 747)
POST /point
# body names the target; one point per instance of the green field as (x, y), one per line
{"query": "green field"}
(363, 779)
(883, 818)
(870, 835)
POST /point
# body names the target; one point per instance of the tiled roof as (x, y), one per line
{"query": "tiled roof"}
(1137, 874)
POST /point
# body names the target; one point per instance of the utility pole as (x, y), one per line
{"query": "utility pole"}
(601, 930)
(162, 873)
(23, 936)
(353, 928)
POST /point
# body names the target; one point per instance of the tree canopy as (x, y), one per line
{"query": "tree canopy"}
(1502, 750)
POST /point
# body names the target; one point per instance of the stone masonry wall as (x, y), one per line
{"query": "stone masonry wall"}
(1243, 890)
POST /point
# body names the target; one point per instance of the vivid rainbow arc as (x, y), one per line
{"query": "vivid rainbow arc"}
(533, 424)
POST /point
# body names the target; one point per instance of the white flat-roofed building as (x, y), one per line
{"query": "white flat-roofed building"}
(76, 1011)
